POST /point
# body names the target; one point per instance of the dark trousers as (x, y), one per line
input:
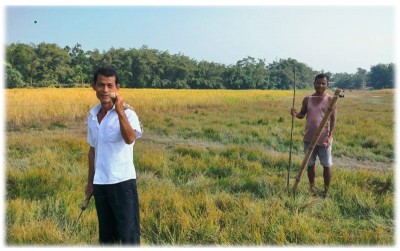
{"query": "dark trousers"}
(117, 207)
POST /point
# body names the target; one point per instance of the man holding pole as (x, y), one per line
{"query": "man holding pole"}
(314, 107)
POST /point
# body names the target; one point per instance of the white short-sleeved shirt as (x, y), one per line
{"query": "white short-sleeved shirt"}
(113, 161)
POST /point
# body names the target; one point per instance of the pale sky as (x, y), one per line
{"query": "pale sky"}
(335, 38)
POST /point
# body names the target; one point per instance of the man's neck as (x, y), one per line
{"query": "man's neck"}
(321, 94)
(105, 107)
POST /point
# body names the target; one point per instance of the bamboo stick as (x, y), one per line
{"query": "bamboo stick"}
(291, 130)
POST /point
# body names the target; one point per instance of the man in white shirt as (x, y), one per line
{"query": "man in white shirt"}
(112, 132)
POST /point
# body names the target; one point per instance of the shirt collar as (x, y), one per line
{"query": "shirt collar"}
(95, 110)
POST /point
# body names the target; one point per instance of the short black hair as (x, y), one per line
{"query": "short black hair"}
(106, 71)
(321, 75)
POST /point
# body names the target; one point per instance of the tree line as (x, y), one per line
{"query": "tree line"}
(49, 65)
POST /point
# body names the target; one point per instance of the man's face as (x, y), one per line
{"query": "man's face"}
(320, 85)
(104, 86)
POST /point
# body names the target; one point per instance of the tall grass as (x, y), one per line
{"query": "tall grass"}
(211, 167)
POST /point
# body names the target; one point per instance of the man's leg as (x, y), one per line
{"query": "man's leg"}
(325, 156)
(327, 180)
(311, 178)
(311, 167)
(107, 226)
(125, 204)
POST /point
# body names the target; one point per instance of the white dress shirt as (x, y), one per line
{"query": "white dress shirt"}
(113, 161)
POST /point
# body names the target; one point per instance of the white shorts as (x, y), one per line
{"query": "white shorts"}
(324, 154)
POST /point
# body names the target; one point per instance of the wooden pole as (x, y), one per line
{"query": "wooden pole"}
(291, 131)
(316, 137)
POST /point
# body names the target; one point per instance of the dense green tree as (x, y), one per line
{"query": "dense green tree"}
(350, 81)
(23, 58)
(183, 68)
(285, 71)
(95, 58)
(13, 77)
(80, 65)
(143, 67)
(53, 65)
(248, 73)
(360, 78)
(207, 75)
(48, 65)
(381, 76)
(342, 80)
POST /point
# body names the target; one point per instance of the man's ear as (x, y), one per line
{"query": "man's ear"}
(118, 86)
(93, 85)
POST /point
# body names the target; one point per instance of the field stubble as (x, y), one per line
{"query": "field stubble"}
(211, 167)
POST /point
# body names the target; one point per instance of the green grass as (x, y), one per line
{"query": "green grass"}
(211, 168)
